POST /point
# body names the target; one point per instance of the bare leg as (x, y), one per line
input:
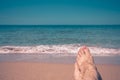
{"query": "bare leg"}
(85, 68)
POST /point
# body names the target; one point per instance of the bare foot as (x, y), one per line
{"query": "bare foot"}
(85, 68)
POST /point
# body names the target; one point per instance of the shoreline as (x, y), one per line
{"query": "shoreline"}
(55, 58)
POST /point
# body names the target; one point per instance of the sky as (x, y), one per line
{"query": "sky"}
(78, 12)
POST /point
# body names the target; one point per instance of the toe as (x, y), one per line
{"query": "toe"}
(87, 51)
(80, 54)
(88, 55)
(82, 51)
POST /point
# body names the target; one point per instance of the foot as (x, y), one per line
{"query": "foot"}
(85, 68)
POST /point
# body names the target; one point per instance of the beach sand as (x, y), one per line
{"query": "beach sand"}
(50, 71)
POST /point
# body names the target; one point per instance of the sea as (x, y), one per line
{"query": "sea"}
(102, 40)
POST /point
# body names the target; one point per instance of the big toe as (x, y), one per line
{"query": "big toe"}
(88, 54)
(81, 52)
(87, 51)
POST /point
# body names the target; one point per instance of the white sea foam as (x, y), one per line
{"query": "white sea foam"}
(50, 49)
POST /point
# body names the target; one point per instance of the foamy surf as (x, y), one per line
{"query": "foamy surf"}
(63, 49)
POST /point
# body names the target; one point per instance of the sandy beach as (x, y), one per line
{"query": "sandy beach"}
(50, 71)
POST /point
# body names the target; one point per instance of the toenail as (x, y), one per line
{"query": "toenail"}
(84, 47)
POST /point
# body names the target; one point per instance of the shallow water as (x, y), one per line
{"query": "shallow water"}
(101, 39)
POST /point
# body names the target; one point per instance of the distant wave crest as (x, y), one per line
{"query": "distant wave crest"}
(50, 49)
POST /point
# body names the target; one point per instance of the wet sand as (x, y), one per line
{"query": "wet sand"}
(50, 71)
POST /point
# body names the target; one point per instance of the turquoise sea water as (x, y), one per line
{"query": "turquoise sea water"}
(101, 39)
(92, 35)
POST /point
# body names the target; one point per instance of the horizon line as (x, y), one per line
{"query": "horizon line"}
(56, 24)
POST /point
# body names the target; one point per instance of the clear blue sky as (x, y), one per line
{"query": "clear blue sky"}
(59, 12)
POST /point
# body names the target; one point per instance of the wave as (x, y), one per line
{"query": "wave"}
(65, 49)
